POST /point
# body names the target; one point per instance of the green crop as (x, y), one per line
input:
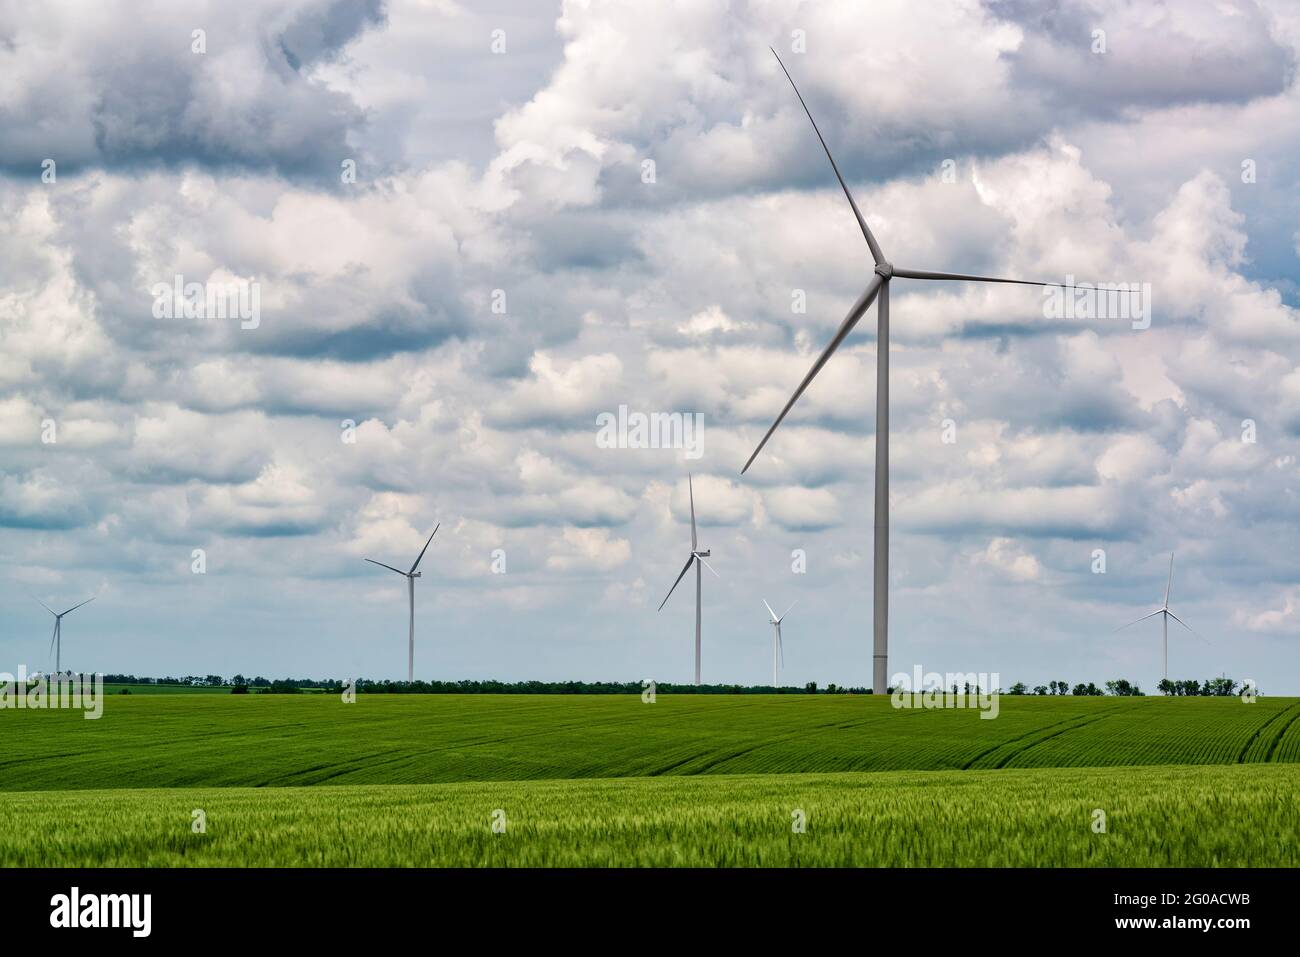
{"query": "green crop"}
(291, 740)
(1208, 816)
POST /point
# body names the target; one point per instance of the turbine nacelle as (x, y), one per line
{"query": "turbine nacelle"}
(884, 270)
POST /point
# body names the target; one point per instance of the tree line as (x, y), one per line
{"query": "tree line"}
(1120, 687)
(1212, 687)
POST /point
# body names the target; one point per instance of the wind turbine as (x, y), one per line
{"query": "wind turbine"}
(877, 291)
(697, 559)
(410, 576)
(778, 652)
(56, 641)
(1166, 615)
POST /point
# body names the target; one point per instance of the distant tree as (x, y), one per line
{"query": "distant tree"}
(214, 681)
(1080, 690)
(1018, 688)
(239, 689)
(1166, 687)
(1040, 689)
(1219, 687)
(239, 680)
(1123, 688)
(810, 687)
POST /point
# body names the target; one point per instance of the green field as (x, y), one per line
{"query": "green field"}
(271, 740)
(688, 780)
(1210, 816)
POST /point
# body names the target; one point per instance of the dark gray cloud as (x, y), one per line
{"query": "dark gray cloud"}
(136, 92)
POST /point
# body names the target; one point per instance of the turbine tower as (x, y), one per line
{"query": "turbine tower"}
(56, 642)
(410, 576)
(778, 652)
(1165, 614)
(877, 291)
(697, 558)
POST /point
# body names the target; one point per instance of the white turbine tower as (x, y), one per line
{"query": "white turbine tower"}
(56, 642)
(1165, 614)
(875, 291)
(697, 559)
(410, 577)
(778, 652)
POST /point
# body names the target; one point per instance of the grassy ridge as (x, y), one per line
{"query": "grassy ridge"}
(166, 741)
(1240, 815)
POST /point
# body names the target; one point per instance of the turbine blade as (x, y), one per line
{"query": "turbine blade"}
(53, 635)
(710, 568)
(691, 488)
(424, 549)
(75, 607)
(864, 302)
(769, 610)
(876, 254)
(389, 567)
(685, 569)
(1185, 625)
(1143, 618)
(1171, 578)
(961, 277)
(787, 611)
(47, 608)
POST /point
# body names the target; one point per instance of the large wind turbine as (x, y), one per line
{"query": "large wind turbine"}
(56, 642)
(1165, 614)
(410, 576)
(697, 559)
(877, 290)
(778, 652)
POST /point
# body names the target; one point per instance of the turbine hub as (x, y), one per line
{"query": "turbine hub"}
(884, 270)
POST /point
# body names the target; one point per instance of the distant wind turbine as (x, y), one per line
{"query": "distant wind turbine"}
(1166, 615)
(877, 290)
(410, 576)
(697, 559)
(778, 652)
(56, 642)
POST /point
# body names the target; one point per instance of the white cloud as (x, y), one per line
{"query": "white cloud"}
(1008, 559)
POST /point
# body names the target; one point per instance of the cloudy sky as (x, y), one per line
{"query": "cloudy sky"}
(558, 209)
